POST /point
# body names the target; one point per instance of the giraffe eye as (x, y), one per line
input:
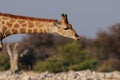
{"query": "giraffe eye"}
(66, 28)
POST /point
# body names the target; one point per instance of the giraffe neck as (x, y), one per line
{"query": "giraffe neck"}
(11, 24)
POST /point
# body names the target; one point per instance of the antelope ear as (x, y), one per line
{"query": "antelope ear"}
(64, 19)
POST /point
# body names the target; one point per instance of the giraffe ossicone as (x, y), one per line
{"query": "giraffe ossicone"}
(14, 24)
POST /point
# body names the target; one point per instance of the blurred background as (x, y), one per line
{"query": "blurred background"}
(97, 22)
(87, 17)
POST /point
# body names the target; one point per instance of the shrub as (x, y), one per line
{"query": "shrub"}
(87, 64)
(71, 53)
(4, 63)
(51, 65)
(70, 57)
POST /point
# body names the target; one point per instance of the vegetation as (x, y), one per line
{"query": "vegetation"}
(53, 53)
(70, 57)
(4, 63)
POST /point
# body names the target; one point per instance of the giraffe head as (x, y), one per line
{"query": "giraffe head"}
(65, 29)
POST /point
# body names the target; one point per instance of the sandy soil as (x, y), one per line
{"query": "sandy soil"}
(71, 75)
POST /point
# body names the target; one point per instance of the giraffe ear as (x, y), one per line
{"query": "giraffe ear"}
(64, 19)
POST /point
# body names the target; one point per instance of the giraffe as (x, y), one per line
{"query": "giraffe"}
(14, 24)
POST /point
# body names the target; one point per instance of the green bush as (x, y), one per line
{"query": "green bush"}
(51, 65)
(70, 57)
(71, 53)
(87, 64)
(4, 63)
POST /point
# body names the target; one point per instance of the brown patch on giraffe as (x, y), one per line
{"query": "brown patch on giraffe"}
(22, 30)
(11, 21)
(21, 21)
(24, 25)
(9, 24)
(30, 24)
(29, 30)
(8, 32)
(38, 23)
(45, 30)
(2, 22)
(16, 25)
(41, 24)
(14, 31)
(28, 18)
(40, 30)
(4, 18)
(35, 30)
(4, 28)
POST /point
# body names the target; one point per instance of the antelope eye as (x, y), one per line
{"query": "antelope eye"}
(66, 28)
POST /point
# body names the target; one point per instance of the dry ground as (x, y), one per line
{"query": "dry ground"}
(71, 75)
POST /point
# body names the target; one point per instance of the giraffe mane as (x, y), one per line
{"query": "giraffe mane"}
(28, 18)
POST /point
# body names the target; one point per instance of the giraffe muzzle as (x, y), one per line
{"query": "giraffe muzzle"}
(78, 38)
